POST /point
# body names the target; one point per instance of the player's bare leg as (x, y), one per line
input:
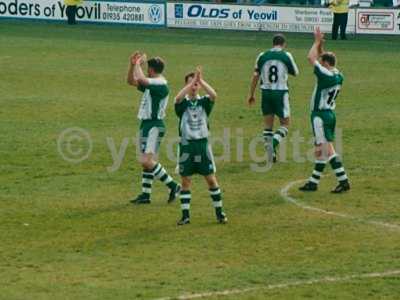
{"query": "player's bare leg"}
(215, 194)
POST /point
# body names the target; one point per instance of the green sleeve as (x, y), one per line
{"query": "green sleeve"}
(321, 72)
(207, 103)
(341, 79)
(180, 108)
(324, 76)
(141, 88)
(259, 63)
(291, 65)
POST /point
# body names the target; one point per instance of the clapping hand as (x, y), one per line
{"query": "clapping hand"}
(198, 76)
(318, 35)
(142, 59)
(134, 57)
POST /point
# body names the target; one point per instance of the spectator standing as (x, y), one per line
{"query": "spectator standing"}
(72, 6)
(340, 9)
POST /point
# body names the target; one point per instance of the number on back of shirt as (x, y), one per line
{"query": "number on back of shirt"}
(332, 96)
(273, 74)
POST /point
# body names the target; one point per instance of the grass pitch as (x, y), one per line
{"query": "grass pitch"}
(67, 230)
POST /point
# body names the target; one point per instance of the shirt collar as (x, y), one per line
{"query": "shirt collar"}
(197, 97)
(276, 48)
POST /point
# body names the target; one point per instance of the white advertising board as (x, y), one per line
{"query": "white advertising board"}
(241, 17)
(378, 21)
(137, 13)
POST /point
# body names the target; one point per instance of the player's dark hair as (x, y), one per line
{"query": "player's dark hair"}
(330, 58)
(157, 64)
(189, 75)
(278, 40)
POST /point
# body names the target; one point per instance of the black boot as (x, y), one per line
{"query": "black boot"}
(309, 187)
(341, 187)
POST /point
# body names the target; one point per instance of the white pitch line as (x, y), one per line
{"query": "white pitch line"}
(284, 285)
(285, 194)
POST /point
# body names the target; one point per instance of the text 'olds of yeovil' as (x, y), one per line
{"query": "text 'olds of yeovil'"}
(198, 11)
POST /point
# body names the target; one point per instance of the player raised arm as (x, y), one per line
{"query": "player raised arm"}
(132, 61)
(316, 49)
(254, 81)
(183, 92)
(207, 88)
(138, 74)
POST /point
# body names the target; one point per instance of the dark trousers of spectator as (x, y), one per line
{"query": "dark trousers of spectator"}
(339, 21)
(71, 14)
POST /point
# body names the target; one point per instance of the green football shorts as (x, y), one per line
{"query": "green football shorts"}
(323, 124)
(151, 134)
(195, 157)
(275, 103)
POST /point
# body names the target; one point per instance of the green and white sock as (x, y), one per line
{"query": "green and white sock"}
(279, 135)
(161, 174)
(185, 197)
(267, 135)
(317, 172)
(147, 182)
(216, 197)
(338, 168)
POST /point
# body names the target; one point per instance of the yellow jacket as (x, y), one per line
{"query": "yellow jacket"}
(72, 2)
(340, 6)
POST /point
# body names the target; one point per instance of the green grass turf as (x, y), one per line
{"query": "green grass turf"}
(67, 230)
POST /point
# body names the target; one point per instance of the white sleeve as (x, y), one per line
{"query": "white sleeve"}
(320, 70)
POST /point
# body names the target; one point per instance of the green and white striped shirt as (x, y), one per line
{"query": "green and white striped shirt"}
(155, 99)
(327, 88)
(274, 67)
(193, 117)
